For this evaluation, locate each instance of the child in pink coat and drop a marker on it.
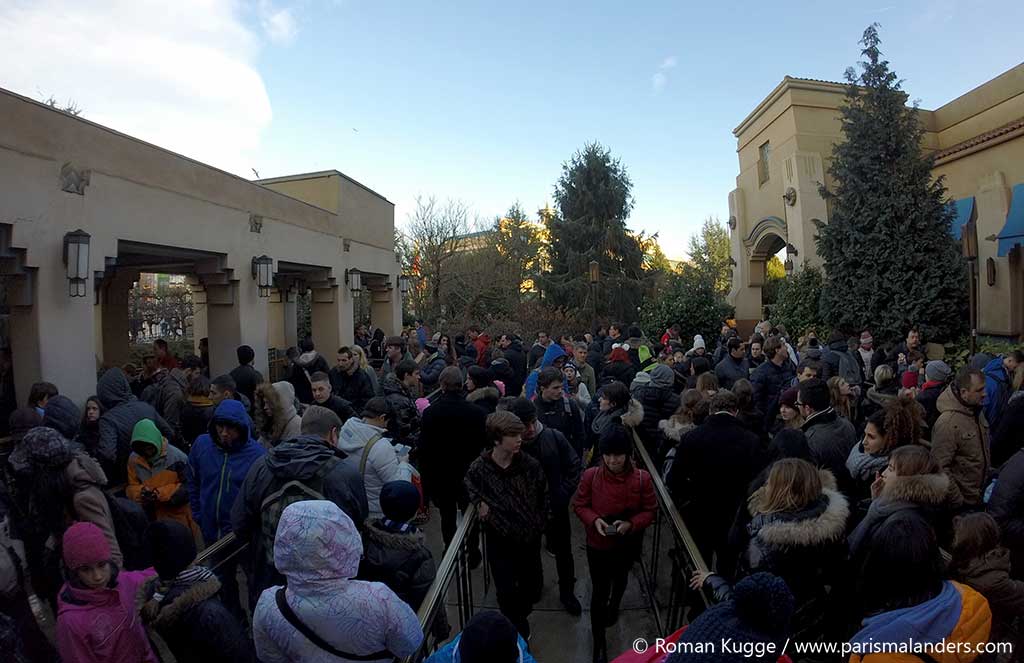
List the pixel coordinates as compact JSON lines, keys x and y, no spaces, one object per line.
{"x":97,"y":619}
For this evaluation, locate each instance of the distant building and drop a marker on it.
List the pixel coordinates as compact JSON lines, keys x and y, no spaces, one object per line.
{"x":784,"y":148}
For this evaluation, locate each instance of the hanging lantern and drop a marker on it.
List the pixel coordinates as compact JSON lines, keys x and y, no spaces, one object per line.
{"x":76,"y":261}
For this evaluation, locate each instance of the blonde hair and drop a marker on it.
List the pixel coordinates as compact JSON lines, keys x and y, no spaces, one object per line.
{"x":839,"y":402}
{"x":686,"y":413}
{"x":358,"y":351}
{"x":792,"y":484}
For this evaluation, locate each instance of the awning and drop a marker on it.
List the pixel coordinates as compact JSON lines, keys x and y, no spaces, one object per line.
{"x":1012,"y":233}
{"x":963,"y":210}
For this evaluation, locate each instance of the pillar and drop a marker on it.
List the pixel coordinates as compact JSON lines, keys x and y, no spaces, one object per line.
{"x":804,"y":170}
{"x":333,"y":318}
{"x":236,"y":315}
{"x":743,"y":295}
{"x":290,"y":312}
{"x":53,"y":340}
{"x":386,"y":310}
{"x":275,"y":319}
{"x":115,"y":323}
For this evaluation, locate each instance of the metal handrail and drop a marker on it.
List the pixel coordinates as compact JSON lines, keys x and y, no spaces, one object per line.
{"x":455,"y":562}
{"x":229,"y":543}
{"x":692,"y":559}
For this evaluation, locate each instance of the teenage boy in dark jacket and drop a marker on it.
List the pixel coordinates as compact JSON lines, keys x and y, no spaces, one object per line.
{"x":510,"y":491}
{"x":557,"y":410}
{"x":562,"y":467}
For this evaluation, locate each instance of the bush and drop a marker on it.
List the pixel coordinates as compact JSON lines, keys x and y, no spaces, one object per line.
{"x":689,"y":301}
{"x":798,"y":303}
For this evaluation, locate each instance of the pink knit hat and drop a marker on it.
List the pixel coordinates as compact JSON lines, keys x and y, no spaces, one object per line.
{"x":85,"y":543}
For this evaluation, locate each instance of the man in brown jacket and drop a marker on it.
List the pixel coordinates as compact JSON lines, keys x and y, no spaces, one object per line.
{"x":960,"y":439}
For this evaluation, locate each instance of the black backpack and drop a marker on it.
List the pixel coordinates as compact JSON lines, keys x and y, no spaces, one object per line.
{"x":290,"y":492}
{"x":130,"y":524}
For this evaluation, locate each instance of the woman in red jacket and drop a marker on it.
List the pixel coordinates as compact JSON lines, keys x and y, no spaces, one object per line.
{"x":616,"y":502}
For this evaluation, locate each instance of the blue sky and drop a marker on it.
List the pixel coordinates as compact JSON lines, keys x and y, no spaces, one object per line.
{"x":482,"y":101}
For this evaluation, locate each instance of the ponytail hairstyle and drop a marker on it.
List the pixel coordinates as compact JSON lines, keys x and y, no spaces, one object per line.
{"x":899,"y":422}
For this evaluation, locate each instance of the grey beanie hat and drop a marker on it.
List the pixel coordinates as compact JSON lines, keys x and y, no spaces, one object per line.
{"x":937,"y":371}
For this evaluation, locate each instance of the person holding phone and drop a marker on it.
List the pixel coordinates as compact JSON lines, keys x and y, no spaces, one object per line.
{"x":616,"y":503}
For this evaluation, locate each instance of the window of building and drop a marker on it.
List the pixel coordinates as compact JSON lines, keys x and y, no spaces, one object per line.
{"x":763,"y":154}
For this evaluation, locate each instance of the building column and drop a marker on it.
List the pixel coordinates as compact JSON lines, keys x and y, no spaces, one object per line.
{"x":386,"y":310}
{"x":236,"y":315}
{"x":743,"y":296}
{"x":332,"y":318}
{"x":276,"y":319}
{"x":803,"y":173}
{"x":290,"y":312}
{"x":115,"y":323}
{"x":53,"y":339}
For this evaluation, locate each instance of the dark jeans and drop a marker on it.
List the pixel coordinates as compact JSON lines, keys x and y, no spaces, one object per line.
{"x":449,"y":508}
{"x":609,"y":573}
{"x":559,"y":536}
{"x":516,"y":569}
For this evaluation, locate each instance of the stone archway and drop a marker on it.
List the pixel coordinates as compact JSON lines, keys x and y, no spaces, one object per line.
{"x":766,"y":238}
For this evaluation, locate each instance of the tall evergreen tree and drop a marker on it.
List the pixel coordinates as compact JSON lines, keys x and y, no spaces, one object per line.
{"x":593,"y":199}
{"x":889,"y":258}
{"x":711,"y":255}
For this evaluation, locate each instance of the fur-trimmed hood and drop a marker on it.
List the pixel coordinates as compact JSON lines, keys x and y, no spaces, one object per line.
{"x":484,"y":394}
{"x":165,"y":616}
{"x":674,"y":430}
{"x":924,"y":489}
{"x":820,"y":523}
{"x":405,"y":541}
{"x":634,"y":414}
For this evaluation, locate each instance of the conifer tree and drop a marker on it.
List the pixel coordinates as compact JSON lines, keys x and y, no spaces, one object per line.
{"x":889,"y":258}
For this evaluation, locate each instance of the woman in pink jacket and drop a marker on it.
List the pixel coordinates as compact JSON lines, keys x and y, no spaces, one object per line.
{"x":97,"y":619}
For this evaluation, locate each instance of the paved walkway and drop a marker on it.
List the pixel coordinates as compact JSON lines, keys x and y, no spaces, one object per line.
{"x":559,"y":637}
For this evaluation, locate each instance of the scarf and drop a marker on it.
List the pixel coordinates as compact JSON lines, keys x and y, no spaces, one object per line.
{"x":190,"y":576}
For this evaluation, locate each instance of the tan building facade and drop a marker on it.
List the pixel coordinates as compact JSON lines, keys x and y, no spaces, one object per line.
{"x":784,"y":148}
{"x":147,"y":210}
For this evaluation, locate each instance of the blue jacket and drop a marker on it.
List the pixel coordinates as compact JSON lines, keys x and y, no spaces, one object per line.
{"x":218,"y":472}
{"x":997,"y":391}
{"x":450,"y":652}
{"x":553,"y":352}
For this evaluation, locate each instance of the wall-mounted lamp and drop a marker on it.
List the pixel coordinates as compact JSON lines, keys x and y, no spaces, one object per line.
{"x":404,"y":284}
{"x":990,"y":271}
{"x":354,"y":279}
{"x":788,"y":266}
{"x":263,"y":274}
{"x":76,"y":260}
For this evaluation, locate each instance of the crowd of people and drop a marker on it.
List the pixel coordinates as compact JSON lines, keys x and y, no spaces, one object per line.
{"x":871,"y":493}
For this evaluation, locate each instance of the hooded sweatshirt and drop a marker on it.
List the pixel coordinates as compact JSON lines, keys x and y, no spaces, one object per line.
{"x":218,"y":472}
{"x":318,"y":550}
{"x":553,"y":352}
{"x":168,"y":473}
{"x":381,"y":464}
{"x":284,"y":422}
{"x":957,"y":615}
{"x":123,"y":411}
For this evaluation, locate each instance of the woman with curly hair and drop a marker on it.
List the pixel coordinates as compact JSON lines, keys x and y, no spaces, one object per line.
{"x":896,"y":425}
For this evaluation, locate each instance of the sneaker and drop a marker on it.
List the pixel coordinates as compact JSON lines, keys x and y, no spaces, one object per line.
{"x":571,"y":604}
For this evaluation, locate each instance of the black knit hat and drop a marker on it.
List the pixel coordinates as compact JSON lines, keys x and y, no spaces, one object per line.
{"x":759,"y":612}
{"x":481,"y":376}
{"x":489,"y":637}
{"x":172,"y":546}
{"x":399,"y":501}
{"x":615,"y":440}
{"x":525,"y":409}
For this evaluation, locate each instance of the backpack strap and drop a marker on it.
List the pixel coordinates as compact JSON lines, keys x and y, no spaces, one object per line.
{"x":366,"y":452}
{"x":311,"y":635}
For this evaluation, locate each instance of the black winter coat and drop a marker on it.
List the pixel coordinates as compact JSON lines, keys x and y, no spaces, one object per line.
{"x":1008,"y":437}
{"x":340,"y":407}
{"x":659,"y":403}
{"x":400,"y":560}
{"x":304,"y":367}
{"x":404,"y":424}
{"x":564,"y":416}
{"x":714,"y":464}
{"x":116,"y":424}
{"x":928,"y":398}
{"x":195,"y":624}
{"x":356,"y":388}
{"x":195,"y":421}
{"x":247,"y":379}
{"x":831,"y":438}
{"x":451,"y":438}
{"x":769,"y":381}
{"x":561,"y":464}
{"x":517,"y":360}
{"x":1007,"y":507}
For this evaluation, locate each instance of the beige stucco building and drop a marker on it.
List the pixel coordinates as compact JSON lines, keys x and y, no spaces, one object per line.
{"x":784,"y":149}
{"x":149,"y":210}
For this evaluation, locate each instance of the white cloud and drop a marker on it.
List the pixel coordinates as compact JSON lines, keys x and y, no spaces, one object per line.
{"x":660,"y":78}
{"x":279,"y":24}
{"x":178,"y":74}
